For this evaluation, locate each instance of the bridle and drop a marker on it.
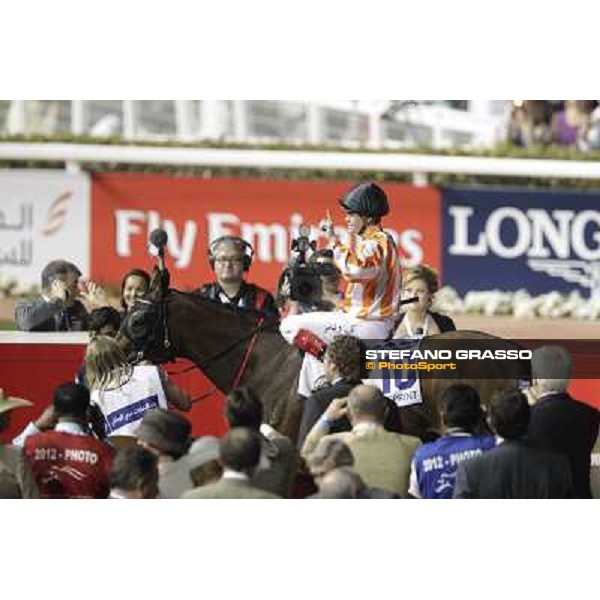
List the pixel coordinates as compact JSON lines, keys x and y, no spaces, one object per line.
{"x":159,"y":341}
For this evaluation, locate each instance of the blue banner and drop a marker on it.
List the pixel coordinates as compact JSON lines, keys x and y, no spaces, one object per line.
{"x":514,"y":238}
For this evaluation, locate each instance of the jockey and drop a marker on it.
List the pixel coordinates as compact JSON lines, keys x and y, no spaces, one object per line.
{"x":371,"y":266}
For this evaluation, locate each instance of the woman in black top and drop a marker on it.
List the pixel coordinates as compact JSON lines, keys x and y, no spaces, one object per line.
{"x":419,"y":320}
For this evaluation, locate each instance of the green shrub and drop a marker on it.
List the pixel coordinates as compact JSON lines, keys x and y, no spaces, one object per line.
{"x":439,"y":179}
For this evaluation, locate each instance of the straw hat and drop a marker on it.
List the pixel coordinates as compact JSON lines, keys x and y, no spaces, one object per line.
{"x":10,"y":402}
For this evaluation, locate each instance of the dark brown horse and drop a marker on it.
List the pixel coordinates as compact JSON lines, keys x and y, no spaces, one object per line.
{"x":232,"y":347}
{"x":486,"y":378}
{"x":236,"y":347}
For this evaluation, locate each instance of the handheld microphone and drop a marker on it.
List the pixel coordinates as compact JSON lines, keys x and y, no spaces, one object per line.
{"x":419,"y":331}
{"x":304,"y":230}
{"x":159,"y":239}
{"x":409,"y":300}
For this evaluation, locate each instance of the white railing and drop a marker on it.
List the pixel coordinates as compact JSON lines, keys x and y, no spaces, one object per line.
{"x":366,"y":123}
{"x":78,"y":338}
{"x":418,"y":164}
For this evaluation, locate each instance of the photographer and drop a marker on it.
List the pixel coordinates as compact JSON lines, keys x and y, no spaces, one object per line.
{"x":66,"y":460}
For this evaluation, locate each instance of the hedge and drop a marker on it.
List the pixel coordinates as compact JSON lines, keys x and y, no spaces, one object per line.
{"x":439,"y":179}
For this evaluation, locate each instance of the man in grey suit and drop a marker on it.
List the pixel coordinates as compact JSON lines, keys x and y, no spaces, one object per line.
{"x":239,"y":453}
{"x":382,"y":458}
{"x":59,"y":308}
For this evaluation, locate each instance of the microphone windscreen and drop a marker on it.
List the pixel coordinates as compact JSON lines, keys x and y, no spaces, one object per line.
{"x":159,"y":238}
{"x":419,"y":331}
{"x":304,"y":230}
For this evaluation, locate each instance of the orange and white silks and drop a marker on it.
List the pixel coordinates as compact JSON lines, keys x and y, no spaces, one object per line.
{"x":372,"y":270}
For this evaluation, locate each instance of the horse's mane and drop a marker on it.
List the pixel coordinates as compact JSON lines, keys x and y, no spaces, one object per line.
{"x":249,"y":315}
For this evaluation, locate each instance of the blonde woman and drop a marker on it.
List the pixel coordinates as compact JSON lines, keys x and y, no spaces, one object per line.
{"x":122,"y":392}
{"x":419,"y":320}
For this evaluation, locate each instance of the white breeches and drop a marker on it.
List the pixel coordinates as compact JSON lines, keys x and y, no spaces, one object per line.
{"x":327,"y":325}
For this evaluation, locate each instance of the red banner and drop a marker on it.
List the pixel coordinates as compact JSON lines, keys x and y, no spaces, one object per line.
{"x":194,"y":211}
{"x":53,"y":363}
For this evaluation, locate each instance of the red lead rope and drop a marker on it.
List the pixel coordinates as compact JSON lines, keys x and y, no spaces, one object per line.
{"x":246,"y":358}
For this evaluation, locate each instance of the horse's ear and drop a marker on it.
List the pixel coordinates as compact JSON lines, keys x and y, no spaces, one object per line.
{"x":159,"y":284}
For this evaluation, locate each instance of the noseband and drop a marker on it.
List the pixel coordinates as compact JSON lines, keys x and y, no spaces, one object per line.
{"x":158,"y":340}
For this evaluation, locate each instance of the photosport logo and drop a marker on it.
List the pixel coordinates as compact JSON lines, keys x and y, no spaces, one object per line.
{"x":397,"y":367}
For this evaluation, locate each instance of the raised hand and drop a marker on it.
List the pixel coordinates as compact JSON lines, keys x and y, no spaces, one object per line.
{"x":47,"y":420}
{"x":94,"y":295}
{"x":337,"y":409}
{"x":326,"y":226}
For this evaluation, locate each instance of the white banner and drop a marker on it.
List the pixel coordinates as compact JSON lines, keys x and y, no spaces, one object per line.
{"x":44,"y":216}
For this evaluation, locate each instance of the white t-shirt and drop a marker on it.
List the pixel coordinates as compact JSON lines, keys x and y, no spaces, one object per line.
{"x":123,"y":407}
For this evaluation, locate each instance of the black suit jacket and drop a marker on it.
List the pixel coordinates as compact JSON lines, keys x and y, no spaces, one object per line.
{"x":277,"y":470}
{"x":565,"y":425}
{"x":515,"y":469}
{"x":316,"y":404}
{"x":246,"y":297}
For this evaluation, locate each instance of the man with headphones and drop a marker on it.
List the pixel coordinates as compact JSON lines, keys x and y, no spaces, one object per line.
{"x":230,"y":257}
{"x":370,"y":264}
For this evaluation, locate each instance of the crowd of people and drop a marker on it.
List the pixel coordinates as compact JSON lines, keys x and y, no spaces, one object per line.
{"x":119,"y":430}
{"x":537,"y":447}
{"x":568,"y":123}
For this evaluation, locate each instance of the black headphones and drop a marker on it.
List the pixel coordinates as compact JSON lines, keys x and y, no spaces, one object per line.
{"x":248,"y":250}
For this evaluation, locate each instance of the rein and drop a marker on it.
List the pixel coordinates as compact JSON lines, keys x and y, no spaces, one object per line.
{"x":207,"y":361}
{"x":251,"y":336}
{"x":242,"y":368}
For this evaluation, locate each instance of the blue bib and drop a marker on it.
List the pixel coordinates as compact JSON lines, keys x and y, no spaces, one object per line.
{"x":436,"y":462}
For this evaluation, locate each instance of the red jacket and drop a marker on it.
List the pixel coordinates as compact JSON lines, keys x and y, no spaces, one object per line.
{"x":67,"y":465}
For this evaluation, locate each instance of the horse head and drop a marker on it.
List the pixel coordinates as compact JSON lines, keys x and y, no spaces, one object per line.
{"x":144,"y":333}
